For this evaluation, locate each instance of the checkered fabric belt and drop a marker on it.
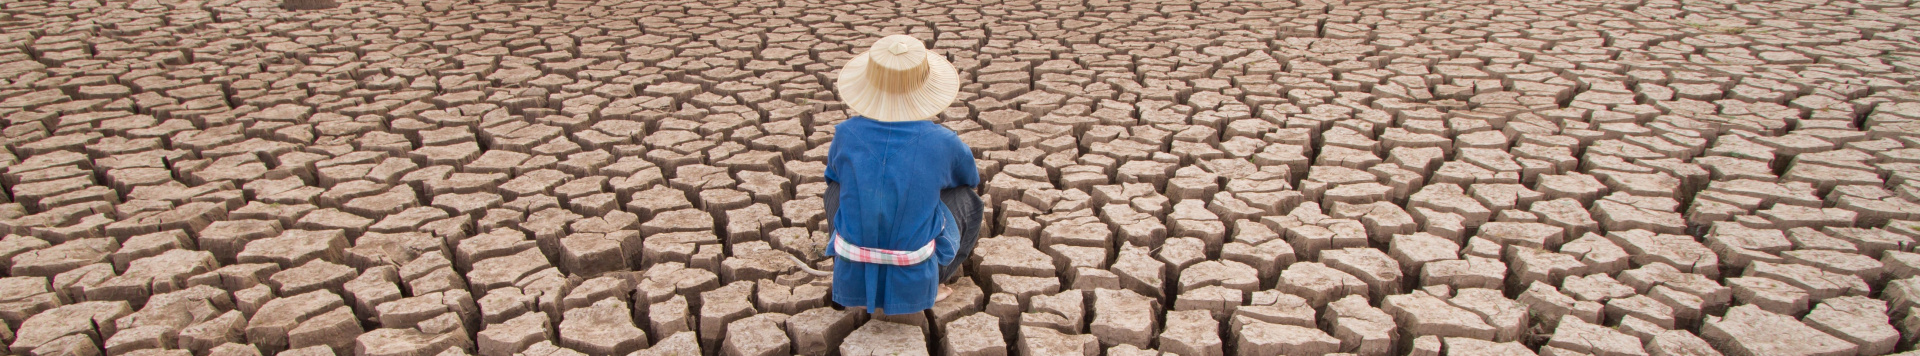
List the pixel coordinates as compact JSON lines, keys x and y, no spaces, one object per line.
{"x":881,"y":256}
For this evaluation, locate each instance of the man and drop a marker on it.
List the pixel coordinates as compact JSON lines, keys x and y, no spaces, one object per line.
{"x":895,"y":239}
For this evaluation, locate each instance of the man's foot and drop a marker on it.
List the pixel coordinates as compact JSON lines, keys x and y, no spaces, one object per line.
{"x":945,"y":292}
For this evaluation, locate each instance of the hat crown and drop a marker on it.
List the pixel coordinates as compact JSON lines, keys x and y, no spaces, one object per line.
{"x":898,"y":53}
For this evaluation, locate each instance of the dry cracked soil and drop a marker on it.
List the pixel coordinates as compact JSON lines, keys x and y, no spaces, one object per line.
{"x":563,"y":177}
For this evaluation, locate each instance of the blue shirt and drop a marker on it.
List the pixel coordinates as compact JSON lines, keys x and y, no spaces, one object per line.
{"x":890,"y":176}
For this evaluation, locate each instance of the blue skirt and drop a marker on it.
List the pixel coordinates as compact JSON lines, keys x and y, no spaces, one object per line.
{"x":968,"y":212}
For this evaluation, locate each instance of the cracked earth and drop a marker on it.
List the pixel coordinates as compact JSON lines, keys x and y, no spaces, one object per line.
{"x":1193,"y":178}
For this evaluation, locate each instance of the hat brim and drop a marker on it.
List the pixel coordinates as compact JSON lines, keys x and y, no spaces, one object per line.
{"x":941,"y":87}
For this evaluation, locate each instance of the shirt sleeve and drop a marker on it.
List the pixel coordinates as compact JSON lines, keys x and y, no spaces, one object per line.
{"x":946,"y":244}
{"x":833,"y":154}
{"x":966,"y":173}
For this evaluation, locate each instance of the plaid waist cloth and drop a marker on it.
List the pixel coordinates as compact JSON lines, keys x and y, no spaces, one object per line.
{"x":881,"y":256}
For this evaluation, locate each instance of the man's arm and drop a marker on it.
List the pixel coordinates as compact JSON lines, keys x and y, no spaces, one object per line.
{"x":966,"y":173}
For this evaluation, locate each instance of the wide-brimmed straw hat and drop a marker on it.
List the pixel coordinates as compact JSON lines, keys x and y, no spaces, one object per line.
{"x":898,"y":79}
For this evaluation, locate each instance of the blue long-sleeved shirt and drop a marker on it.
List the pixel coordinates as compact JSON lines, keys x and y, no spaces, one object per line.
{"x":890,"y":176}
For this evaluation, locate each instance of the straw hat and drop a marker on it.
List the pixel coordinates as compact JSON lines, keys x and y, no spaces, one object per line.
{"x":898,"y":80}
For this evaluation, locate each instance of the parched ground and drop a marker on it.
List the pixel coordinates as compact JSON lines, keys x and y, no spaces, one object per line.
{"x":1195,"y":178}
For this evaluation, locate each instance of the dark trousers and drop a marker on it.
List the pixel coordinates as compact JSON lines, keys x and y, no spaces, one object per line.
{"x":967,"y":210}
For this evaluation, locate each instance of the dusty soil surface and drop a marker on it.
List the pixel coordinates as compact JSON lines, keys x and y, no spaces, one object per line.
{"x":335,"y":177}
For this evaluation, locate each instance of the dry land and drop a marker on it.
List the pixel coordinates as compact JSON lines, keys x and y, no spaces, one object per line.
{"x":562,"y":177}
